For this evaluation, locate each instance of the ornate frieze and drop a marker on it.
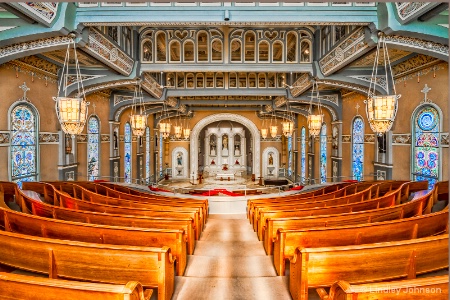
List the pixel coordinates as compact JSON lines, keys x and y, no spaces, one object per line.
{"x":151,"y":86}
{"x":105,"y":137}
{"x":280,"y":101}
{"x":368,"y":59}
{"x":121,"y":98}
{"x":271,"y":139}
{"x":417,"y":44}
{"x":48,"y":138}
{"x":40,"y":44}
{"x":301,"y":85}
{"x":45,"y":11}
{"x":445,"y":139}
{"x":402,"y":139}
{"x":345,"y":52}
{"x":380,"y":80}
{"x":224,"y":23}
{"x":330,"y":98}
{"x":331,"y":110}
{"x":346,"y":138}
{"x":4,"y":138}
{"x":108,"y":53}
{"x":412,"y":75}
{"x":119,"y":112}
{"x":84,"y":60}
{"x":406,"y":10}
{"x":72,"y":79}
{"x":82,"y":138}
{"x":369,"y":138}
{"x":413,"y":64}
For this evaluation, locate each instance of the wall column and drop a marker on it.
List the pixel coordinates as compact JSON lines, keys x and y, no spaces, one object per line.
{"x":114,"y":157}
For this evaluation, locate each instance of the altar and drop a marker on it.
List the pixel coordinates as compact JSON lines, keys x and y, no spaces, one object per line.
{"x":224,"y":176}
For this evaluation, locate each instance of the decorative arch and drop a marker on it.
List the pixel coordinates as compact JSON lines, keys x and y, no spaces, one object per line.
{"x":93,"y":148}
{"x":265,"y":159}
{"x":426,"y":124}
{"x":180,"y":154}
{"x":195,"y":133}
{"x":24,"y":142}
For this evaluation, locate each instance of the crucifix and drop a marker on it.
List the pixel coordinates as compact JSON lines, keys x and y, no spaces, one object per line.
{"x":25,"y":89}
{"x":425,"y":90}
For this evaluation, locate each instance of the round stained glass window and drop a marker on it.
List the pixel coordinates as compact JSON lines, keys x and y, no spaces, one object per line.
{"x":427,"y":119}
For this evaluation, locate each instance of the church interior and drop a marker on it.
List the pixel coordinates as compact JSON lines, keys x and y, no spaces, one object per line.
{"x":224,"y":150}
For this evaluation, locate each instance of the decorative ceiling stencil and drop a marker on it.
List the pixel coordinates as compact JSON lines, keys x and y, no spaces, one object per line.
{"x":380,"y":80}
{"x":45,"y":11}
{"x":368,"y":60}
{"x":72,"y":79}
{"x":414,"y":64}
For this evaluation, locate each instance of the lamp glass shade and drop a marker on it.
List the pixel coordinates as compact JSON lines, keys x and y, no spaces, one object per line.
{"x":314,"y":124}
{"x":381,"y":112}
{"x":178,"y":131}
{"x":273,"y":131}
{"x":138,"y":124}
{"x":264,"y":132}
{"x":186,"y":133}
{"x":72,"y":114}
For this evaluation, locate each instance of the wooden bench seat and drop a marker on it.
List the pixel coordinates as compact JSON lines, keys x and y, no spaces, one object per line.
{"x":381,"y":202}
{"x":416,"y":207}
{"x":116,"y":264}
{"x":286,"y":241}
{"x":321,"y":267}
{"x":41,"y":209}
{"x":78,"y":192}
{"x":14,"y":286}
{"x":428,"y":288}
{"x":102,"y":234}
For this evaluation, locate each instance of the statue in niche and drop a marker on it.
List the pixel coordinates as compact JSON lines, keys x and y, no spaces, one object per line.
{"x":213,"y":150}
{"x":180,"y":159}
{"x":212,"y":145}
{"x":237,"y":152}
{"x":116,"y":146}
{"x":225,"y":145}
{"x":270,"y":159}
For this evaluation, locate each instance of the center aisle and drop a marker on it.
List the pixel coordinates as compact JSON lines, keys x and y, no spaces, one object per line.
{"x":230,"y":263}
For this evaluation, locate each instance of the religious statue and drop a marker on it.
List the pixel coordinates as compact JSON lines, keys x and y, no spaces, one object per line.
{"x":115,"y":140}
{"x":237,"y":151}
{"x":179,"y":159}
{"x":225,"y":142}
{"x":270,"y":159}
{"x":213,"y":150}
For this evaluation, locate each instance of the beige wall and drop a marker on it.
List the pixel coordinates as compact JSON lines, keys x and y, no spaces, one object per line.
{"x":40,"y":96}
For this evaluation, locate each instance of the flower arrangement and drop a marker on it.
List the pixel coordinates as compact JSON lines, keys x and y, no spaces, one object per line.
{"x":225,"y":167}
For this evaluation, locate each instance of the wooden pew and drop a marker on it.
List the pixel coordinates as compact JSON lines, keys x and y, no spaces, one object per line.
{"x":416,"y":207}
{"x":69,"y":202}
{"x":13,"y":286}
{"x":428,"y":288}
{"x":321,"y":267}
{"x":152,"y":267}
{"x":384,"y":201}
{"x":286,"y":241}
{"x":102,"y":234}
{"x":31,"y":206}
{"x":83,"y":194}
{"x":441,"y":192}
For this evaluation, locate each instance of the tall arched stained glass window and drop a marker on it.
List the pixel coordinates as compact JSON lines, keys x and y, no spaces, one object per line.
{"x":358,"y":148}
{"x":323,"y":154}
{"x":93,"y":149}
{"x":161,"y":140}
{"x":127,"y":153}
{"x":290,"y":156}
{"x":303,"y":155}
{"x":147,"y":155}
{"x":24,"y":144}
{"x":426,"y":151}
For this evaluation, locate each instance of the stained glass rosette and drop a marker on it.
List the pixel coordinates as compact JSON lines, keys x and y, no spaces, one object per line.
{"x":72,"y":114}
{"x":381,"y":112}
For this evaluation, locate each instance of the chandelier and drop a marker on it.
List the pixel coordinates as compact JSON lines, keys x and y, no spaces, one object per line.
{"x":314,"y":121}
{"x":287,"y":125}
{"x":138,"y":120}
{"x":178,"y":128}
{"x":381,"y":110}
{"x":71,"y":111}
{"x":164,"y":125}
{"x":264,"y":130}
{"x":186,"y":129}
{"x":273,"y":128}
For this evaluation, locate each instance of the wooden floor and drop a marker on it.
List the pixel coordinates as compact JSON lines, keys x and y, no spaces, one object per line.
{"x":230,"y":263}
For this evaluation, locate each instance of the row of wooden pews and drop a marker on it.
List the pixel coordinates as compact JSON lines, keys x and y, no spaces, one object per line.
{"x":352,"y":251}
{"x":134,"y":246}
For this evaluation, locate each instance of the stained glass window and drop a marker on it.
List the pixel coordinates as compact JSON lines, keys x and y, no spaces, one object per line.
{"x":303,"y":155}
{"x":147,"y":155}
{"x":323,"y":154}
{"x":23,"y":144}
{"x":426,"y":156}
{"x":127,"y":153}
{"x":290,"y":156}
{"x":93,"y":148}
{"x":161,"y":140}
{"x":358,"y":148}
